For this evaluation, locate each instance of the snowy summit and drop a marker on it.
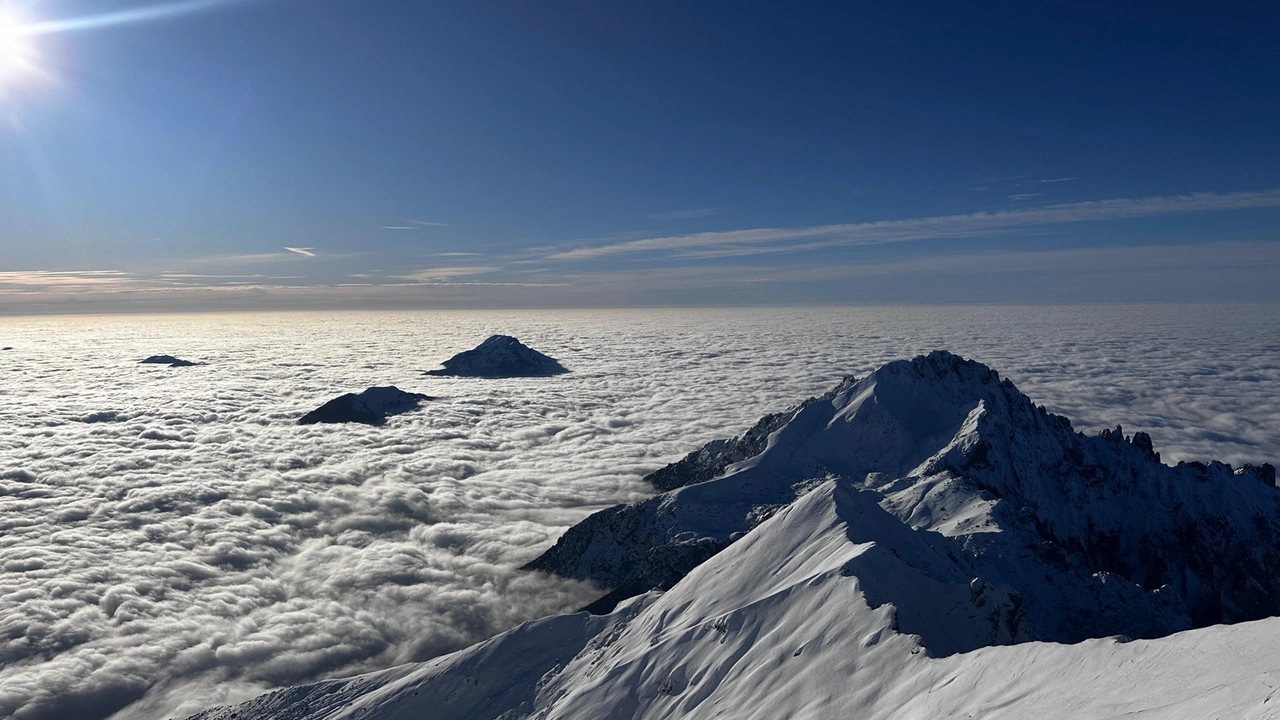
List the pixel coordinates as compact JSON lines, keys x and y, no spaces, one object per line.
{"x":500,"y":356}
{"x":923,"y":542}
{"x":370,"y":407}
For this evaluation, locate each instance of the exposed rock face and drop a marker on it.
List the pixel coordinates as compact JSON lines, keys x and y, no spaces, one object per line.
{"x":500,"y":356}
{"x":1046,"y":532}
{"x":370,"y":407}
{"x":169,"y":360}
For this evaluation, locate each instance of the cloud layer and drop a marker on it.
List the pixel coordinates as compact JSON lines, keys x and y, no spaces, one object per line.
{"x":172,"y":540}
{"x":774,"y":240}
{"x":1205,"y":272}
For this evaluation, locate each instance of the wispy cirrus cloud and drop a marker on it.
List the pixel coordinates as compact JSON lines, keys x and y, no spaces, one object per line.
{"x":244,"y":259}
{"x":1058,"y":180}
{"x":411,"y":224}
{"x":306,"y":252}
{"x":775,"y":240}
{"x":438,"y":274}
{"x":49,"y":278}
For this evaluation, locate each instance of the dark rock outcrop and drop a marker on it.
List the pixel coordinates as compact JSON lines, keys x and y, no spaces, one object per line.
{"x":169,"y":360}
{"x":500,"y":356}
{"x":370,"y":407}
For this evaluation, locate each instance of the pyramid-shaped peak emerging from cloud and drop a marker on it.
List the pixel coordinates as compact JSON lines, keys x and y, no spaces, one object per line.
{"x":500,"y":356}
{"x":370,"y":407}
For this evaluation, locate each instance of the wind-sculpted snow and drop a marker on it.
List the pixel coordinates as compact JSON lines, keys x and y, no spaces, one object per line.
{"x":171,"y":540}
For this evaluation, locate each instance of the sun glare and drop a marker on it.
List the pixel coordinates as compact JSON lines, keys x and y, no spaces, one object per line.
{"x":18,"y":56}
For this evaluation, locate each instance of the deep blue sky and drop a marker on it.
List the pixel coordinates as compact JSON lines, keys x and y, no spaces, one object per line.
{"x":186,"y":152}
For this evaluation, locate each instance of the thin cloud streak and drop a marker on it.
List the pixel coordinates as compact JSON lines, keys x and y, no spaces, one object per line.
{"x":1144,"y":258}
{"x":445,"y":273}
{"x":307,"y":252}
{"x":770,"y":240}
{"x":45,"y":278}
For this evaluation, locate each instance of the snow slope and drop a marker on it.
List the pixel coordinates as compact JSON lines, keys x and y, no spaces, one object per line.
{"x":779,"y":625}
{"x":901,"y":547}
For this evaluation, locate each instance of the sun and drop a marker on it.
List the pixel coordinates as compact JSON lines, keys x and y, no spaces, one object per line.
{"x":19,"y":60}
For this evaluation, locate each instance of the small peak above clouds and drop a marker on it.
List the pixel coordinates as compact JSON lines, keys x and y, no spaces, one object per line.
{"x":500,"y":356}
{"x":169,"y":360}
{"x":370,"y":407}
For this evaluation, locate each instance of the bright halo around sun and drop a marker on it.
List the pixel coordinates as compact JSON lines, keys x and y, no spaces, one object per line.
{"x":19,"y":59}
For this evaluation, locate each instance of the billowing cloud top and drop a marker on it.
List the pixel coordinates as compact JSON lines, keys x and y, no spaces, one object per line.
{"x":174,"y":540}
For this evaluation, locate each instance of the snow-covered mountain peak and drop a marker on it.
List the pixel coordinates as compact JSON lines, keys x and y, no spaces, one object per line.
{"x":1084,"y":536}
{"x":889,"y":422}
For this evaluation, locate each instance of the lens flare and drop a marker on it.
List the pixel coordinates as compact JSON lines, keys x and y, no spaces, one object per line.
{"x":19,"y":52}
{"x":19,"y":60}
{"x":146,"y":13}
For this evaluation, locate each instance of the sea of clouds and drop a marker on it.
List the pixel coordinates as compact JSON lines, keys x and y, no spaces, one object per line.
{"x":170,"y":539}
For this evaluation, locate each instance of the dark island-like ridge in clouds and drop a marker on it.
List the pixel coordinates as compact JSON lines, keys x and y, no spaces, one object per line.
{"x":500,"y":356}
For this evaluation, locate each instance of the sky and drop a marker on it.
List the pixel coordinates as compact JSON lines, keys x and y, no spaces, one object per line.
{"x":246,"y":154}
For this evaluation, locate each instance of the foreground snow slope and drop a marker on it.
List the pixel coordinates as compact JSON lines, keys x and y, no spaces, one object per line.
{"x":898,"y":548}
{"x":778,"y":625}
